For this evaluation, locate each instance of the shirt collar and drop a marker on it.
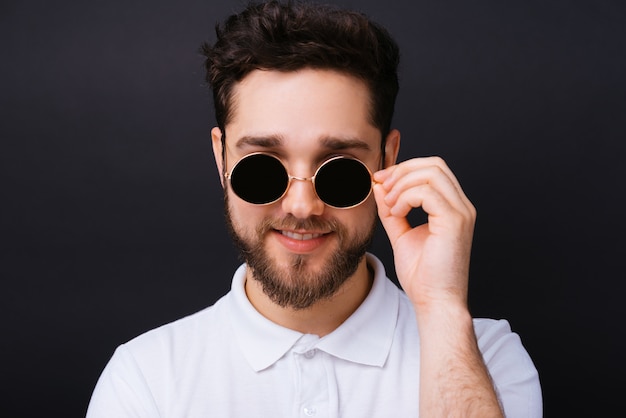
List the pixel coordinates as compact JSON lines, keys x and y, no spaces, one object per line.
{"x":365,"y":337}
{"x":262,"y":341}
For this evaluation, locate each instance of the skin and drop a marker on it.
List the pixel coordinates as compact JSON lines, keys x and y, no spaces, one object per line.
{"x":293,"y":115}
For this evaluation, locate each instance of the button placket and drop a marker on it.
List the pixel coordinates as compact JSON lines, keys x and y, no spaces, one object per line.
{"x":313,"y":387}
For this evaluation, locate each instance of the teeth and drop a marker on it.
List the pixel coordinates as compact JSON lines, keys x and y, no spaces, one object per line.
{"x":301,"y":237}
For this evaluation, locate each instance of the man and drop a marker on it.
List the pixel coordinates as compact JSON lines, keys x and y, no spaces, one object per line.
{"x":304,"y":98}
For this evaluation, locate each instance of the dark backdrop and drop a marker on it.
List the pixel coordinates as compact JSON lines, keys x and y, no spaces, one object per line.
{"x":111,"y":212}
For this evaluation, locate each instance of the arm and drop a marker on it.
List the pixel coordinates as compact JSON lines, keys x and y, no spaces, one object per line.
{"x":432,"y":264}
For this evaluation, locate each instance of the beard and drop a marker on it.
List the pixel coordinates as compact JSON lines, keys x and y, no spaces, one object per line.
{"x":296,"y":285}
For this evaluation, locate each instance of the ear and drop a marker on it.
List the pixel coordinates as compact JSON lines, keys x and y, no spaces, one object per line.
{"x":392,"y":147}
{"x":216,"y":139}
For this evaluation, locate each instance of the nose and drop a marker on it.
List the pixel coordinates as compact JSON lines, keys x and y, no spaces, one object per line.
{"x":301,"y":201}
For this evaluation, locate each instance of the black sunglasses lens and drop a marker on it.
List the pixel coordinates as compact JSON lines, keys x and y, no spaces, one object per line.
{"x":343,"y":182}
{"x":259,"y":179}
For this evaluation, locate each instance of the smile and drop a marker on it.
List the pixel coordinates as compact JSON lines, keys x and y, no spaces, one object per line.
{"x":300,"y":237}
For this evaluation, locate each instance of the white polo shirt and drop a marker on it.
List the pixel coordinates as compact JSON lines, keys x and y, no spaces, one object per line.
{"x":230,"y":361}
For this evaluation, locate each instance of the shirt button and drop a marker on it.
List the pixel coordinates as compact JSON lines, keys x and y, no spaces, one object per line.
{"x":310,"y":354}
{"x":309,"y":411}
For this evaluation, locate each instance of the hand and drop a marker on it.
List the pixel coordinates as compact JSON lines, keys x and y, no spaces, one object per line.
{"x":431,"y":260}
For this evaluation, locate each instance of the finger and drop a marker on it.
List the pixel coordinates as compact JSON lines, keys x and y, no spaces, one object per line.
{"x":424,"y":196}
{"x":432,"y":176}
{"x":442,"y":216}
{"x":391,"y":175}
{"x":381,"y":175}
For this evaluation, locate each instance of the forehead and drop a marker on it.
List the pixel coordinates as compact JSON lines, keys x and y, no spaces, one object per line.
{"x":304,"y":107}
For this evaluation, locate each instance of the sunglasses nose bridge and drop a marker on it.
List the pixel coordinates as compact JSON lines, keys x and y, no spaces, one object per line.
{"x":301,"y":200}
{"x":311,"y":179}
{"x":296,"y":178}
{"x":306,"y":179}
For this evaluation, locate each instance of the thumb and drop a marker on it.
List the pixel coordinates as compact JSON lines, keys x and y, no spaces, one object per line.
{"x":394,"y":226}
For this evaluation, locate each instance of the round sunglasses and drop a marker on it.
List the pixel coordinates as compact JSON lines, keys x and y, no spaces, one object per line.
{"x":340,"y":182}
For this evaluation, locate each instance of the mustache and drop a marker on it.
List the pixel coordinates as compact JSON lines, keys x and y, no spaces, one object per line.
{"x":313,"y":223}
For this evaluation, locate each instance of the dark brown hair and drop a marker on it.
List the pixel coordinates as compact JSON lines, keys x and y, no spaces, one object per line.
{"x":290,"y":36}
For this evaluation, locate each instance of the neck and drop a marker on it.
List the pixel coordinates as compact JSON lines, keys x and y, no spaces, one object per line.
{"x":324,"y":316}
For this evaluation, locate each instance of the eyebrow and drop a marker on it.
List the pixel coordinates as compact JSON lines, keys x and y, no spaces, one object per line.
{"x":338,"y":144}
{"x":260,"y":141}
{"x":328,"y":142}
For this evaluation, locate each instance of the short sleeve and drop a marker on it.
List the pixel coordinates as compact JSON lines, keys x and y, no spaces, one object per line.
{"x":514,"y":375}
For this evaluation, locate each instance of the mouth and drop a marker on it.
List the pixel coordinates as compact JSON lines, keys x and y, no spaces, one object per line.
{"x":302,"y":242}
{"x":301,"y":236}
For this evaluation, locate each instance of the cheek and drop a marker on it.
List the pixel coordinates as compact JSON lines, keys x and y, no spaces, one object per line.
{"x":359,"y":218}
{"x":368,"y":208}
{"x":245,"y":217}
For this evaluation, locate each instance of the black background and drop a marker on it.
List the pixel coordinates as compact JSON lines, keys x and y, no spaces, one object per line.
{"x":111,"y":211}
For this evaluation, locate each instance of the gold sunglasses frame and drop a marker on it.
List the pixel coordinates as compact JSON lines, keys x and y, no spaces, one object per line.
{"x":228,"y":175}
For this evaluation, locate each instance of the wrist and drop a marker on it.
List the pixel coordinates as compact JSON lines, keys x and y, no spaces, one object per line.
{"x":451,"y":313}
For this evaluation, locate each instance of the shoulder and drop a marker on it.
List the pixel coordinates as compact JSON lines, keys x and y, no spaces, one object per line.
{"x":171,"y":347}
{"x":178,"y":348}
{"x":201,"y":325}
{"x":161,"y":368}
